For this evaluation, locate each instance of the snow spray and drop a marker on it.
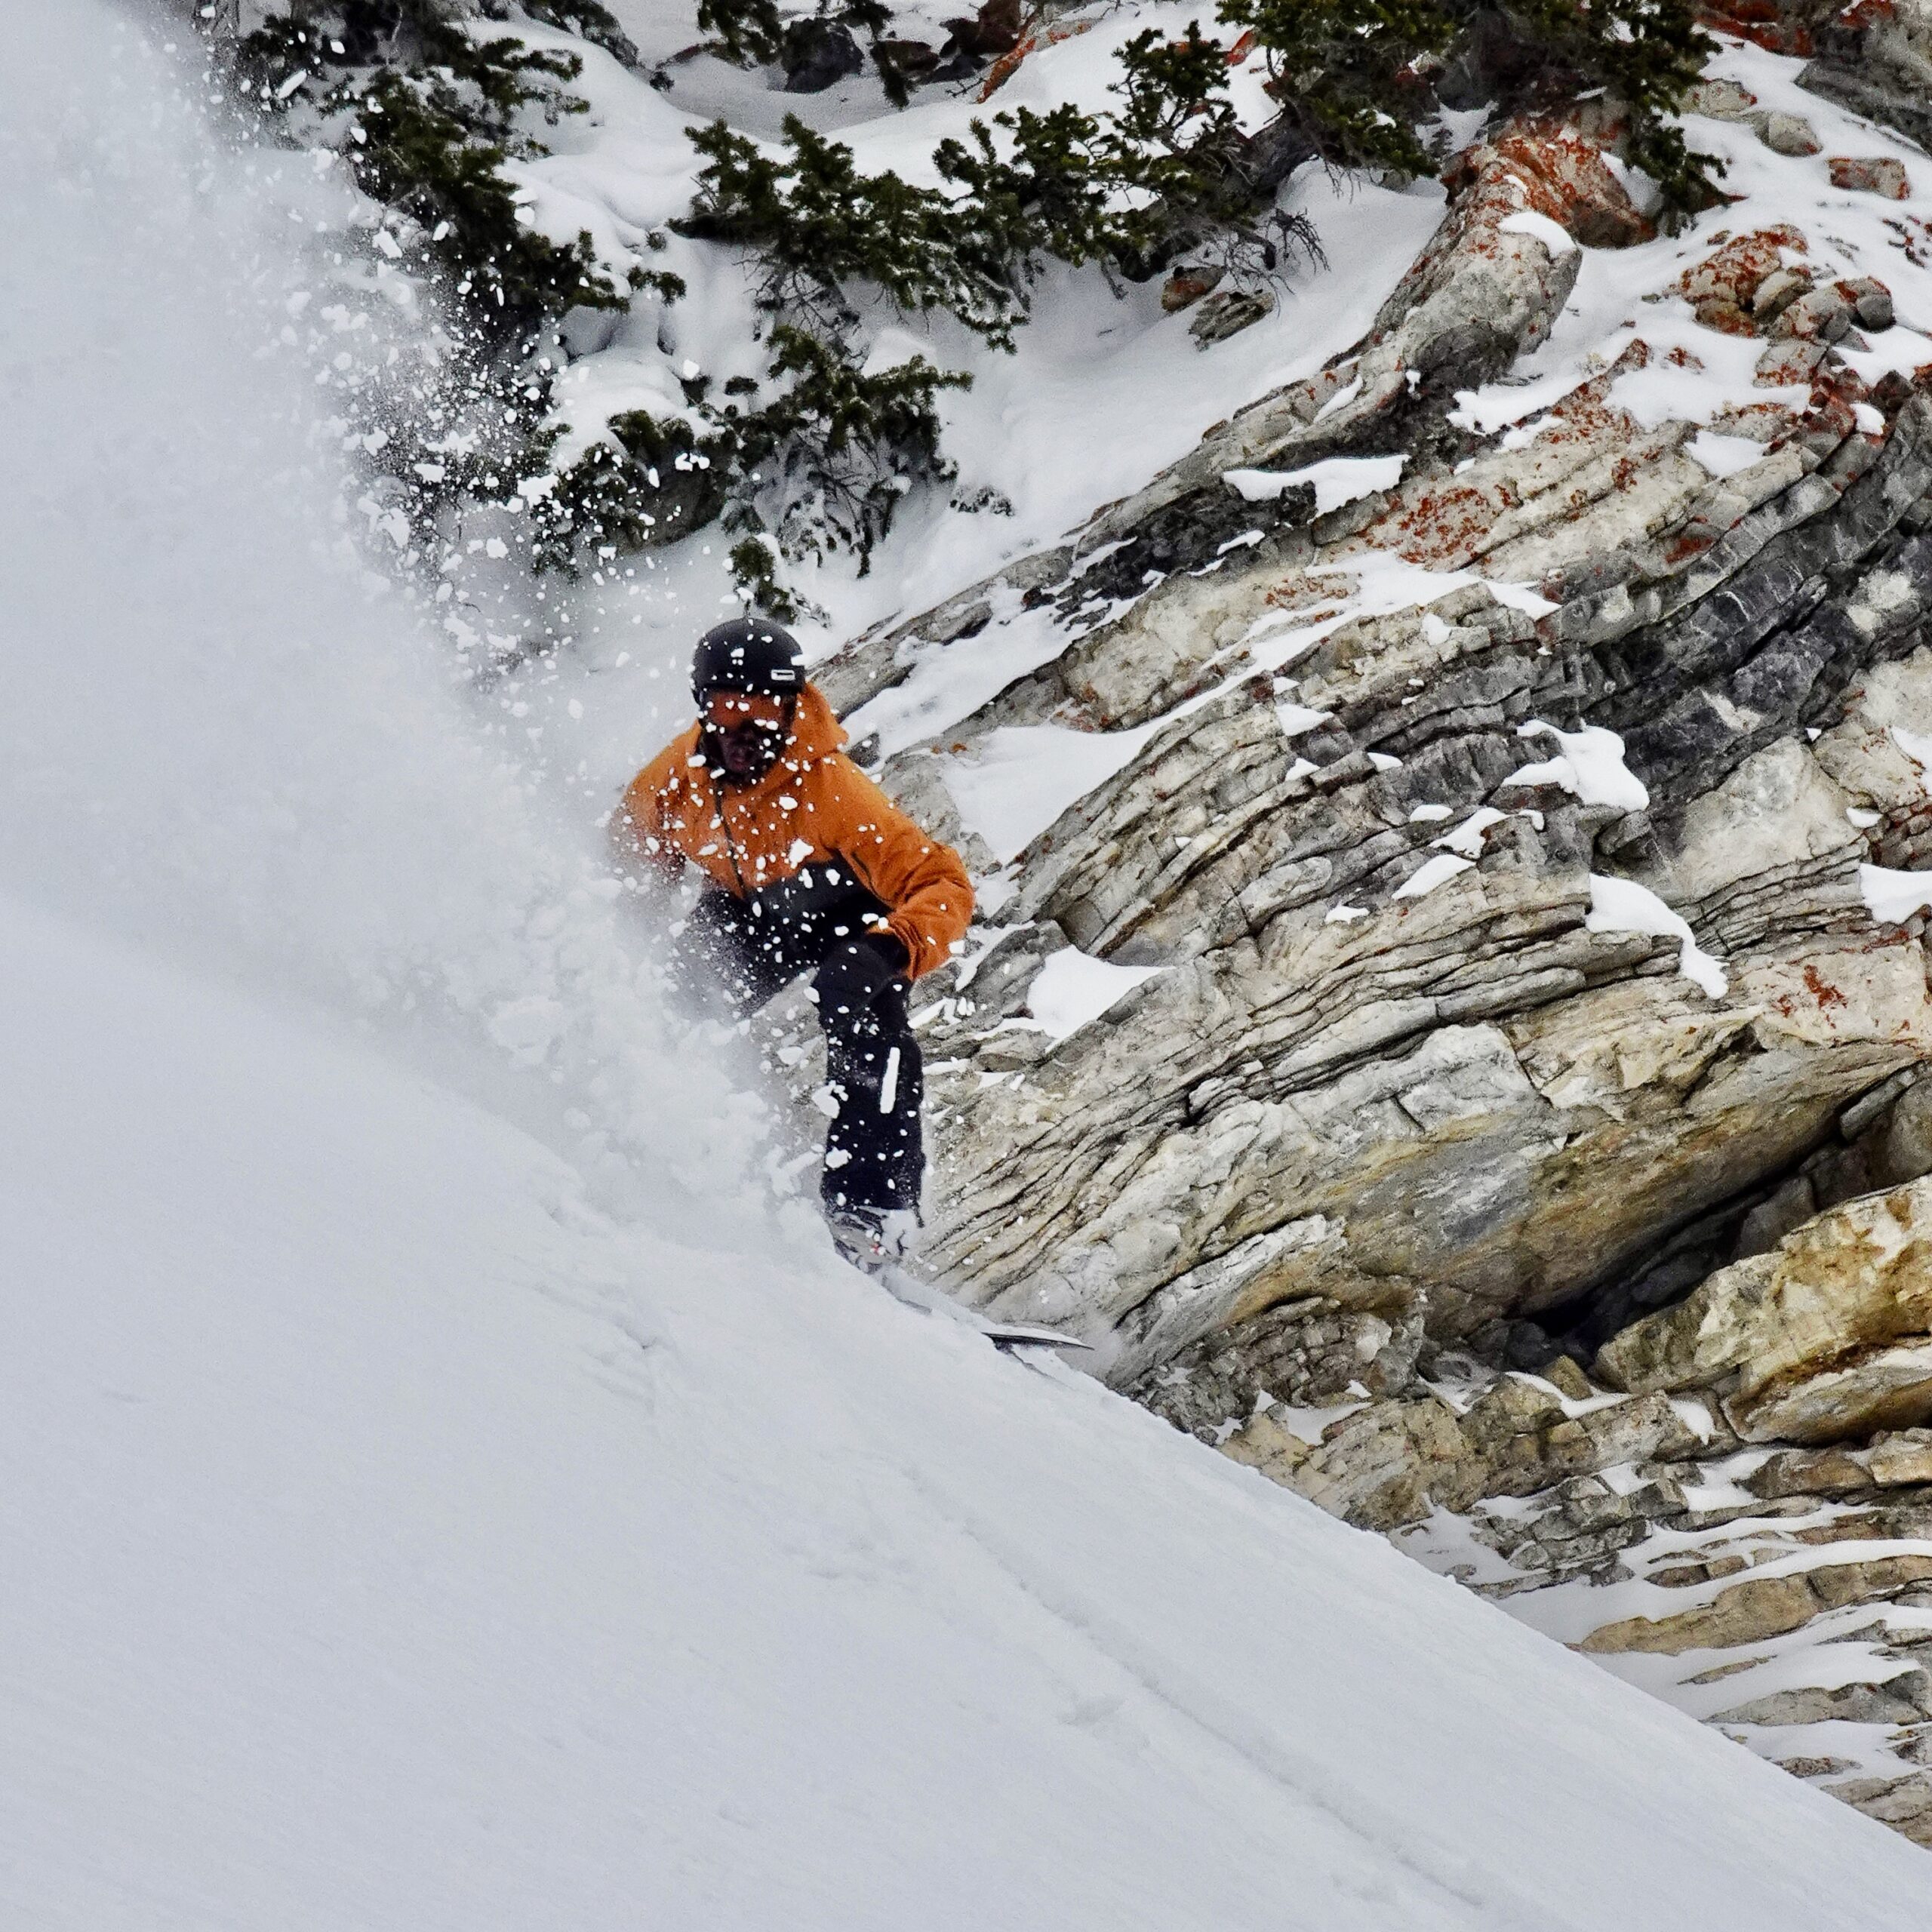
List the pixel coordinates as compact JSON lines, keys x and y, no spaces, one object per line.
{"x":224,"y":734}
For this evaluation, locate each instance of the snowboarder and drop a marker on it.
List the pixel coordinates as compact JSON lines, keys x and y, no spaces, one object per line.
{"x":810,"y":868}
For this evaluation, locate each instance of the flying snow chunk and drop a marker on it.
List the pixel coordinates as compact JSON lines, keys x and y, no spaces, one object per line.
{"x":527,"y":1028}
{"x":1337,"y":480}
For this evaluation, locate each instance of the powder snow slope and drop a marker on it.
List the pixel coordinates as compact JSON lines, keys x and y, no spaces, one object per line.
{"x":395,"y":1545}
{"x":432,"y":1498}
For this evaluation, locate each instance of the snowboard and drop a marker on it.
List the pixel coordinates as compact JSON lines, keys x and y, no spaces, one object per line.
{"x":1009,"y":1337}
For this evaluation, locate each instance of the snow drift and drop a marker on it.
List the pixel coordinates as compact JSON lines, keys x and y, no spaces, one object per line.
{"x":439,"y":1493}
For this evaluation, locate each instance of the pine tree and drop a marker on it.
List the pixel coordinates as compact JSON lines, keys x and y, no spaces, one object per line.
{"x":1179,"y":139}
{"x":749,"y":32}
{"x":837,"y":449}
{"x":820,"y":451}
{"x":425,"y":113}
{"x":814,"y":222}
{"x":1648,"y":54}
{"x":589,"y":19}
{"x":1357,"y":75}
{"x":1345,"y":70}
{"x":426,"y":131}
{"x":827,"y":457}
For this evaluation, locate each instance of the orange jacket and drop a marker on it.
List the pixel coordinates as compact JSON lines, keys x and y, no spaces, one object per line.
{"x":814,"y":804}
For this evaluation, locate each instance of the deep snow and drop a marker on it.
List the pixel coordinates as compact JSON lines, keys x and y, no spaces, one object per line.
{"x":439,"y":1492}
{"x":397,"y":1545}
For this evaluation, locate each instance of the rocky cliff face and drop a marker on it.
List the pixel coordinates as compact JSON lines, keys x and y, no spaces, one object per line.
{"x":1495,"y":1109}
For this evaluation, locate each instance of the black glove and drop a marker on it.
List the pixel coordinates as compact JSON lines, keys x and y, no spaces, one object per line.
{"x":853,"y":974}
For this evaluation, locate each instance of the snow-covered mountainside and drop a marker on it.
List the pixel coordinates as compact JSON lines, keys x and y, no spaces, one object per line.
{"x":399,"y":1538}
{"x":1438,"y":746}
{"x":1449,"y":843}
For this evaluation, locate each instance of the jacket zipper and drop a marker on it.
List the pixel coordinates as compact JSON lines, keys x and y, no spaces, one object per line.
{"x":730,"y":844}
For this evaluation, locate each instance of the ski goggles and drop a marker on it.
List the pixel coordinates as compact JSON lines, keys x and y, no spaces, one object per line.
{"x":726,"y":710}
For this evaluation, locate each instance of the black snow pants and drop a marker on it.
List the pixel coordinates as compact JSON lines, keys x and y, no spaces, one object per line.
{"x":737,"y":954}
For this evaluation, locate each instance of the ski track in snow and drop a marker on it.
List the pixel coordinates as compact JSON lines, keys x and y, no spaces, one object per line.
{"x":449,"y":1495}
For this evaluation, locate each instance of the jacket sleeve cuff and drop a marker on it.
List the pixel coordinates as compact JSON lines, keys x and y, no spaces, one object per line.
{"x":893,"y":951}
{"x":901,"y":932}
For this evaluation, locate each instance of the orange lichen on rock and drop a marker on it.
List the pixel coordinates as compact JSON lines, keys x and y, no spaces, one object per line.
{"x":1836,"y":392}
{"x":1871,"y":174}
{"x":1008,"y":65}
{"x":1563,"y":175}
{"x":1862,"y":14}
{"x":1723,"y":283}
{"x":1766,"y":423}
{"x":1763,"y":22}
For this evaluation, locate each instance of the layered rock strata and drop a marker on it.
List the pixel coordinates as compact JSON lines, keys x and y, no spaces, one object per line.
{"x":1396,"y":1038}
{"x":1509,"y":1131}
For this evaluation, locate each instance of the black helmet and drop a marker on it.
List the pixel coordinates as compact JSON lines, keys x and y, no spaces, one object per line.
{"x":748,"y":654}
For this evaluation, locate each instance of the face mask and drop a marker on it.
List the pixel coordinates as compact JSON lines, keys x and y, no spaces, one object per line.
{"x":743,"y":733}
